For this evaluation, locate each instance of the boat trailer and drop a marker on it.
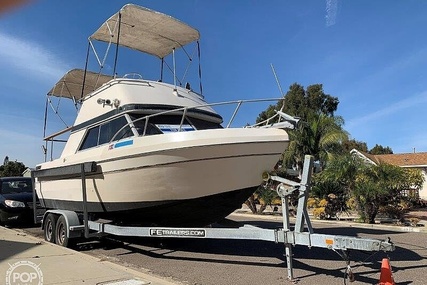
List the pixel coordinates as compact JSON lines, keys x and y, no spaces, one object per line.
{"x":63,"y":226}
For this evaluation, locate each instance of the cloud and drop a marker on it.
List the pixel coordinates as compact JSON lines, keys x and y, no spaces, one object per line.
{"x":391,"y":109}
{"x":331,"y":12}
{"x":29,"y":56}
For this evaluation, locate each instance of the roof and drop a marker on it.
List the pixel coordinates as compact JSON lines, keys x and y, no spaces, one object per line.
{"x":70,"y":85}
{"x":404,"y":159}
{"x":399,"y":159}
{"x":146,"y":30}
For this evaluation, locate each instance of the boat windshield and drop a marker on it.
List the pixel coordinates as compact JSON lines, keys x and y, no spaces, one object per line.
{"x":169,"y":124}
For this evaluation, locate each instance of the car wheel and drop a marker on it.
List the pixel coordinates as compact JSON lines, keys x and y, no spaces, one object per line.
{"x":61,"y":236}
{"x":49,"y":227}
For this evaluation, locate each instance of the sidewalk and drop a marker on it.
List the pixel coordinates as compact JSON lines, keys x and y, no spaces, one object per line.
{"x":24,"y":258}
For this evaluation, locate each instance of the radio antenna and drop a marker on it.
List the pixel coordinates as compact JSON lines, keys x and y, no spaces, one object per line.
{"x":277,"y":80}
{"x":280,"y":89}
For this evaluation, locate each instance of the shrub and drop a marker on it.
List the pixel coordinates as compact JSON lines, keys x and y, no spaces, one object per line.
{"x":319,"y":213}
{"x":312,"y":203}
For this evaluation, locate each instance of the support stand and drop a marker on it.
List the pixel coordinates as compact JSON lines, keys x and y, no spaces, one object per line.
{"x":309,"y":238}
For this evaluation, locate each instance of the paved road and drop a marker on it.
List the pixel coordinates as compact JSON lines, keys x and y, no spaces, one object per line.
{"x":216,"y":262}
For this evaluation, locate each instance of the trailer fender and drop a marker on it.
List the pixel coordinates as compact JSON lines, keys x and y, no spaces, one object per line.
{"x":71,"y":218}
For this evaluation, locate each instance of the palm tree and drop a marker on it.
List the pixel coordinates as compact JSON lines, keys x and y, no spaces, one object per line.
{"x":371,"y":186}
{"x":320,"y":137}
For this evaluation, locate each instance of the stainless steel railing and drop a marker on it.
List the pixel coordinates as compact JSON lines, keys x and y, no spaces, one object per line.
{"x":184,"y":111}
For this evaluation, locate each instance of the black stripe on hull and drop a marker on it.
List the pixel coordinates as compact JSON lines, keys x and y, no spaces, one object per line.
{"x":190,"y":213}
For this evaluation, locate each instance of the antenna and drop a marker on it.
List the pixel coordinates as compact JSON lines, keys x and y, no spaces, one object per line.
{"x":277,"y":80}
{"x":280,"y":89}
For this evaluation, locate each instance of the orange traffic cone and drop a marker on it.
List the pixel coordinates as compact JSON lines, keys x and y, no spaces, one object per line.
{"x":385,"y":277}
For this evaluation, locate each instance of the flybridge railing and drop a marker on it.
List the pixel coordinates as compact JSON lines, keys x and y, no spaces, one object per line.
{"x":279,"y":117}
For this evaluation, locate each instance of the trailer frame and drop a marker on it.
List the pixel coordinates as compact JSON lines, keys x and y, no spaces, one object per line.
{"x":67,"y":225}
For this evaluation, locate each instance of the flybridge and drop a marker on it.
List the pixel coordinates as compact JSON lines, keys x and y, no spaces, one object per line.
{"x":145,"y":30}
{"x":150,"y":32}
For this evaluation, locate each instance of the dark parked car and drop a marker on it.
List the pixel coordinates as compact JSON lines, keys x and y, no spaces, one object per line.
{"x":16,"y":200}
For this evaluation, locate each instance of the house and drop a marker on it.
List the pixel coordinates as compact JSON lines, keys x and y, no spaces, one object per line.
{"x":27,"y":172}
{"x":416,"y":160}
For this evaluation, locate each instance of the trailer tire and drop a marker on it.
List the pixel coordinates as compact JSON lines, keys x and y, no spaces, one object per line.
{"x":61,"y":236}
{"x":50,"y":227}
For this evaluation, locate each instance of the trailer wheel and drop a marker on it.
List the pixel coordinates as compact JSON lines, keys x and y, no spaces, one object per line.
{"x":61,"y":237}
{"x":49,"y":227}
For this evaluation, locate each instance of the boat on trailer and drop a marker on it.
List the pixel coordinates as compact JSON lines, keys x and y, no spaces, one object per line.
{"x":162,"y":154}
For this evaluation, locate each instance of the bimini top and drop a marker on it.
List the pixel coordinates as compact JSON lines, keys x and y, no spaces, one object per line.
{"x":70,"y":85}
{"x":146,"y":30}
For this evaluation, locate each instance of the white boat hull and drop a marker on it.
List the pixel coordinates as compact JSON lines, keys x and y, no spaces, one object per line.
{"x":211,"y":165}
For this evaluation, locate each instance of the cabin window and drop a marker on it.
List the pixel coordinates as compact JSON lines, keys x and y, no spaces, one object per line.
{"x":204,"y":125}
{"x":105,"y":133}
{"x":91,"y":138}
{"x":108,"y":130}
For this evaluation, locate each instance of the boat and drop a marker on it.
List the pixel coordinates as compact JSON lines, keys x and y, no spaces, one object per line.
{"x":162,"y":154}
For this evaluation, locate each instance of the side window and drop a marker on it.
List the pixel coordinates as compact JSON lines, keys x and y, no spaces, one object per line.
{"x":91,"y":138}
{"x":104,"y":133}
{"x":108,"y":130}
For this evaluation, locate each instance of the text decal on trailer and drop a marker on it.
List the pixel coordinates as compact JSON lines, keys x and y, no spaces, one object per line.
{"x":177,"y":232}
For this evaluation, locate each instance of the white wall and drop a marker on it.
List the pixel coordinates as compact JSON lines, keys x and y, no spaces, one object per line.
{"x":423,"y":190}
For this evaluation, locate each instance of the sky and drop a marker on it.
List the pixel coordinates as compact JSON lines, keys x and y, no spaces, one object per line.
{"x":372,"y":55}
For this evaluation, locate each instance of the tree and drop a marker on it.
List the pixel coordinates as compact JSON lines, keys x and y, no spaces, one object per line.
{"x":379,"y":149}
{"x":319,"y":132}
{"x":371,"y":186}
{"x":344,"y":170}
{"x":330,"y":197}
{"x":319,"y":101}
{"x":348,"y":145}
{"x":12,"y":168}
{"x":302,"y":103}
{"x":319,"y":136}
{"x":265,"y":196}
{"x":382,"y":185}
